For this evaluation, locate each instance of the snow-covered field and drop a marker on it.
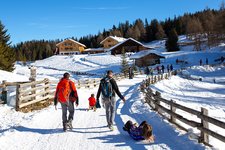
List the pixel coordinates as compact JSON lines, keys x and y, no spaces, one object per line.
{"x":43,"y":129}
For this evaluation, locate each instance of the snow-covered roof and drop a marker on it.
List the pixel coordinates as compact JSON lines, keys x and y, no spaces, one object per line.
{"x":118,"y":39}
{"x":126,"y":41}
{"x":72,"y":41}
{"x":145,"y":53}
{"x":94,"y":49}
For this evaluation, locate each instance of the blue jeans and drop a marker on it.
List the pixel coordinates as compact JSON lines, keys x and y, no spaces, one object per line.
{"x":110,"y":109}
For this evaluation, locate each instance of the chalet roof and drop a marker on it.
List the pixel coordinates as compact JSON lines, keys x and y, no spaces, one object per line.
{"x":118,"y":39}
{"x":72,"y":41}
{"x":94,"y":49}
{"x":144,"y":53}
{"x":126,"y":41}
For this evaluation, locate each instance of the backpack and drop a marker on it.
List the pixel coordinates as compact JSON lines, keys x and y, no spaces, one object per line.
{"x":106,"y":86}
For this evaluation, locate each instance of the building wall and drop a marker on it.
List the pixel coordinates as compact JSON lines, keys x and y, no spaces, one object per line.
{"x":128,"y":46}
{"x":69,"y":47}
{"x":109,"y":43}
{"x":147,"y":61}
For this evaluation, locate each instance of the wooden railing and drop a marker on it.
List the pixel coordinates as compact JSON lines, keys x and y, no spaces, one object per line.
{"x":33,"y":92}
{"x":152,"y":79}
{"x":170,"y":107}
{"x":40,"y":91}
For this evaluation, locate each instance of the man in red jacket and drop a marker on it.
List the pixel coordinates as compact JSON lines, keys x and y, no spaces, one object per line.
{"x":66,"y":94}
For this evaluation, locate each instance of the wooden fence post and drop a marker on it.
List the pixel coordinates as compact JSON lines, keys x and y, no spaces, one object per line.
{"x":32,"y":79}
{"x":94,"y":83}
{"x":158,"y":77}
{"x":152,"y":81}
{"x":4,"y":92}
{"x":157,"y":101}
{"x":204,"y":138}
{"x":155,"y":79}
{"x":47,"y":88}
{"x":166,"y":76}
{"x":149,"y":81}
{"x":78,"y":83}
{"x":17,"y":97}
{"x":173,"y":109}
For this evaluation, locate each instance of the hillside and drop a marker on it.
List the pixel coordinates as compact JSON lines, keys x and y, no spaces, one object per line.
{"x":43,"y":130}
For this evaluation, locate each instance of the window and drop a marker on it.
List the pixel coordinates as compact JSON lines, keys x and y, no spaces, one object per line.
{"x":68,"y":44}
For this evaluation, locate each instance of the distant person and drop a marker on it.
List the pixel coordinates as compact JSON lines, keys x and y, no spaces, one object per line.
{"x":147,"y":71}
{"x":222,"y":58}
{"x":168,"y":68}
{"x":171,"y":67}
{"x":162,"y":68}
{"x":200,"y":62}
{"x":107,"y":88}
{"x":158,"y":69}
{"x":141,"y":132}
{"x":131,"y":73}
{"x":92,"y":102}
{"x":151,"y":71}
{"x":66,"y":94}
{"x":177,"y":61}
{"x":206,"y":61}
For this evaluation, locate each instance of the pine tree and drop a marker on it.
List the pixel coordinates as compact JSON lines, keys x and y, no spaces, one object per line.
{"x":4,"y":37}
{"x":124,"y":63}
{"x":7,"y":54}
{"x":171,"y":43}
{"x":160,"y":34}
{"x":7,"y":57}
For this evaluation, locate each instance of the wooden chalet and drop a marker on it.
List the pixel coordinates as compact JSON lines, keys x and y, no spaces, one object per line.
{"x":129,"y":45}
{"x":69,"y":47}
{"x":111,"y":41}
{"x":146,"y":58}
{"x":93,"y":50}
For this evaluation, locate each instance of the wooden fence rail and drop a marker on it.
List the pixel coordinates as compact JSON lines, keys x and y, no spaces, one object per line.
{"x":159,"y":104}
{"x":29,"y":93}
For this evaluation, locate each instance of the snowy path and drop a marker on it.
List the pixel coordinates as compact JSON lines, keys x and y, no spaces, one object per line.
{"x":42,"y":129}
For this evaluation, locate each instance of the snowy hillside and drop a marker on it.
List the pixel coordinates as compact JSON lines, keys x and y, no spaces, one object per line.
{"x":43,"y":129}
{"x":196,"y":94}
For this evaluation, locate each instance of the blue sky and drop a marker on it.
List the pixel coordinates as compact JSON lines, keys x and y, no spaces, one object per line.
{"x":59,"y":19}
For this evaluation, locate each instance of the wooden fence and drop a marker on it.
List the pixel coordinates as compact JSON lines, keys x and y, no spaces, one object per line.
{"x":33,"y":94}
{"x":156,"y":78}
{"x":30,"y":93}
{"x":170,"y":107}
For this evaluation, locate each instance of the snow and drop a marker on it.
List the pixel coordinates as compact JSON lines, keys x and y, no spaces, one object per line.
{"x":72,"y":41}
{"x":43,"y":129}
{"x":196,"y":94}
{"x":12,"y":77}
{"x":116,"y":38}
{"x":144,"y":53}
{"x":126,"y":41}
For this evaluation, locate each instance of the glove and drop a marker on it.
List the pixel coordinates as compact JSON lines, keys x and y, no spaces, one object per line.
{"x":77,"y":101}
{"x":55,"y":101}
{"x":97,"y":105}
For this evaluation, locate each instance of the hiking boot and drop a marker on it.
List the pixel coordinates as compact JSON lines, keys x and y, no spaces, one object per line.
{"x":125,"y":129}
{"x":111,"y":128}
{"x":69,"y":124}
{"x":64,"y":127}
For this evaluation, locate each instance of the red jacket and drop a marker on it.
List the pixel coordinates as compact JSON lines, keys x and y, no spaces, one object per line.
{"x":92,"y":101}
{"x":64,"y":89}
